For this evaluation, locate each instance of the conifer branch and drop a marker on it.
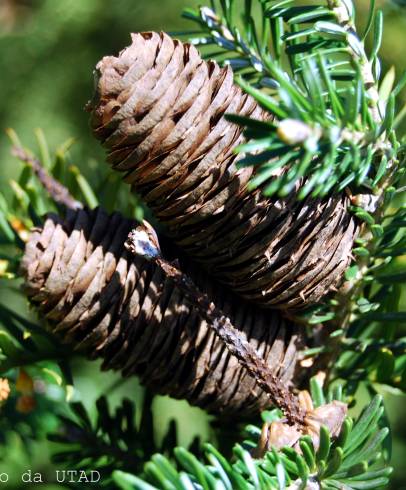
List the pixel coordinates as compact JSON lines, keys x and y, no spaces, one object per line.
{"x":57,"y":191}
{"x":334,"y":135}
{"x":344,"y":18}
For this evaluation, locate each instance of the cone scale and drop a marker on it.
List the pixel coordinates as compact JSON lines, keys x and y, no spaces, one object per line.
{"x":159,"y":112}
{"x":98,"y":298}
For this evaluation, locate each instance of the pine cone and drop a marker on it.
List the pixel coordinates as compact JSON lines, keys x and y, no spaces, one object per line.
{"x":159,"y":112}
{"x":111,"y":305}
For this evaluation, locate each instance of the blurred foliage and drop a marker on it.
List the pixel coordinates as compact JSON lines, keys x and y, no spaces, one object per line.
{"x":47,"y":51}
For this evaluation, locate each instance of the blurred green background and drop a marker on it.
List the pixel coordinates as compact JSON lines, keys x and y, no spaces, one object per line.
{"x":48,"y":49}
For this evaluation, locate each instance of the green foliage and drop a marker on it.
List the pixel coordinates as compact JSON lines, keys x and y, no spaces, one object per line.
{"x":30,"y":203}
{"x":23,"y":342}
{"x":372,"y":347}
{"x":331,"y":128}
{"x":352,"y":461}
{"x":307,"y":67}
{"x":113,"y":441}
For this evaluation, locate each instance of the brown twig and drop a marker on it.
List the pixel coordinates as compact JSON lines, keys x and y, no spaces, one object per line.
{"x":143,"y":241}
{"x":58,"y":192}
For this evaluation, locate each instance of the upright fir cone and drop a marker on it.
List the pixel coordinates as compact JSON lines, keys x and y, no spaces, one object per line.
{"x":108,"y":304}
{"x":159,"y":112}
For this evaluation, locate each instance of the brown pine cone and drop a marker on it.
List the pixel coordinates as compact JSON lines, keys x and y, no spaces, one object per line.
{"x":112,"y":305}
{"x":158,"y":110}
